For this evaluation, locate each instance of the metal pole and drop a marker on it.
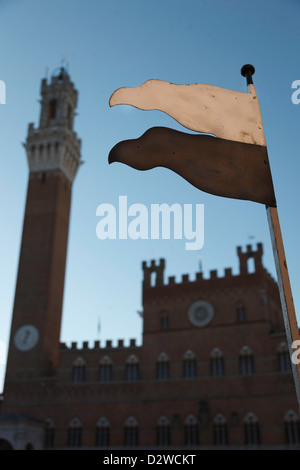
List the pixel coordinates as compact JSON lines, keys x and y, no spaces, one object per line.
{"x":285,"y":291}
{"x":286,"y":297}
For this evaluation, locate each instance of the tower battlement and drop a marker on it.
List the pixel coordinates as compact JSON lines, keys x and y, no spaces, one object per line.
{"x":54,"y":145}
{"x":97,"y":345}
{"x":256,"y":255}
{"x":154,"y":271}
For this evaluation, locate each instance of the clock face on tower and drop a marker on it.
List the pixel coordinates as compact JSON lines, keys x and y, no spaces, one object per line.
{"x":201,"y":313}
{"x":26,"y":337}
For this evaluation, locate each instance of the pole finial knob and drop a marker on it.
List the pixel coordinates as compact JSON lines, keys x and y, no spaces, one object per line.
{"x":247,"y":71}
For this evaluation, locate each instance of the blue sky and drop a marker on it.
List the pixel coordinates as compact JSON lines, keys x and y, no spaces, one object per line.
{"x":109,"y":44}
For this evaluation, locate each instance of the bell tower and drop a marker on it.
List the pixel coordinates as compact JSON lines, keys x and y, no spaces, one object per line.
{"x":53,"y":153}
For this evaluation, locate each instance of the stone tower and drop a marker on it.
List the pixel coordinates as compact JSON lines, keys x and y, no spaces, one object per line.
{"x":53,"y":153}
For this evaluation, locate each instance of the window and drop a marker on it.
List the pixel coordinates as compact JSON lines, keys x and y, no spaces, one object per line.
{"x":78,"y":371}
{"x":105,"y":369}
{"x":69,"y":117}
{"x":292,"y":428}
{"x":252,"y":429}
{"x":217,"y":366}
{"x":251,"y":265}
{"x":40,"y":153}
{"x":189,"y":365}
{"x":153,"y":279}
{"x":220,"y":431}
{"x":48,"y":153}
{"x":246,"y":361}
{"x":74,"y":433}
{"x":5,"y":445}
{"x":102,"y":433}
{"x":49,"y":434}
{"x":241,"y":313}
{"x":284,"y":360}
{"x":52,"y":109}
{"x":131,"y":433}
{"x":163,"y":367}
{"x":164,"y":322}
{"x":191,"y":431}
{"x":163,"y":432}
{"x":132,"y":368}
{"x":32,"y":156}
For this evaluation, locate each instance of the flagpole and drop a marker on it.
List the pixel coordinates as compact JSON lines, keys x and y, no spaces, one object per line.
{"x":285,"y":291}
{"x":286,"y":296}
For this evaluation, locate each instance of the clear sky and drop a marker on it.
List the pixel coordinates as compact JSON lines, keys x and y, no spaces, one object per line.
{"x":109,"y":44}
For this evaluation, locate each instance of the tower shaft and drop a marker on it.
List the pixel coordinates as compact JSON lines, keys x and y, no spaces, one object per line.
{"x":53,"y":153}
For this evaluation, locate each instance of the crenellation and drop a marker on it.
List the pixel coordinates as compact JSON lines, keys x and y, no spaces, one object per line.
{"x":250,"y":253}
{"x":228,"y":272}
{"x":156,"y":269}
{"x":120,"y":344}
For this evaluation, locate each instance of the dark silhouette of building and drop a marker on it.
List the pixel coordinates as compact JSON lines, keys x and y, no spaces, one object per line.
{"x":213,"y":369}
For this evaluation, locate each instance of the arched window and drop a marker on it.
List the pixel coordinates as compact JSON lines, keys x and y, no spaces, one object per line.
{"x":191,"y":431}
{"x":217,"y":365}
{"x":240,"y":312}
{"x":78,"y":370}
{"x":74,"y":433}
{"x":189,"y":365}
{"x":163,"y":366}
{"x":132,"y":368}
{"x":40,"y":153}
{"x":105,"y":369}
{"x":5,"y":445}
{"x":32,"y":155}
{"x":52,"y":109}
{"x":153,"y":279}
{"x":48,"y":153}
{"x":164,"y":322}
{"x":246,"y":361}
{"x":252,"y":430}
{"x":220,"y":431}
{"x":284,"y":360}
{"x":69,"y":117}
{"x":251,"y":265}
{"x":163,"y":432}
{"x":103,"y":433}
{"x":131,"y":432}
{"x":292,"y":428}
{"x":49,"y":434}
